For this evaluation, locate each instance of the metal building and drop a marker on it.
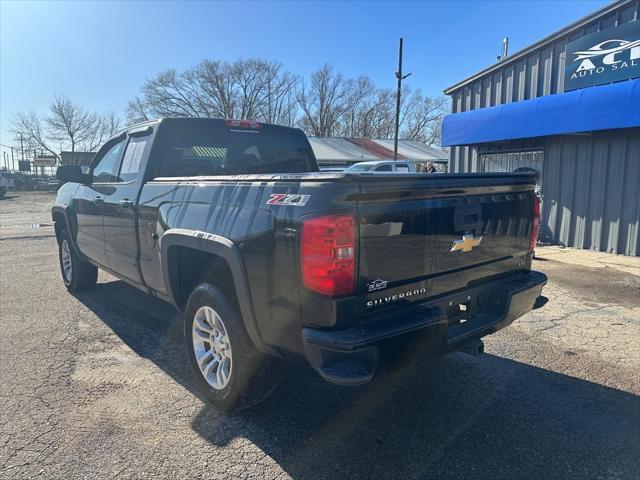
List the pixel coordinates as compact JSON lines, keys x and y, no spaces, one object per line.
{"x":342,"y":152}
{"x":569,"y":107}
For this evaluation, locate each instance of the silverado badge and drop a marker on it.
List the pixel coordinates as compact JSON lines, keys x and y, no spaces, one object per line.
{"x":466,"y":244}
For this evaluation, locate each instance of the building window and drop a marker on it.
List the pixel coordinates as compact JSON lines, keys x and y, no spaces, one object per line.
{"x":510,"y":161}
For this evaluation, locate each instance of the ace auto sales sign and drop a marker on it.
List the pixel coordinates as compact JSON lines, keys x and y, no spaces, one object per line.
{"x":603,"y":57}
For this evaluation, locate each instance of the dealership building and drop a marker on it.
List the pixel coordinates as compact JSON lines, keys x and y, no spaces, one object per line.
{"x":567,"y":106}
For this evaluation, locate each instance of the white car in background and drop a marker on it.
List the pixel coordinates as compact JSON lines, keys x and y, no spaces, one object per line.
{"x":395,"y":166}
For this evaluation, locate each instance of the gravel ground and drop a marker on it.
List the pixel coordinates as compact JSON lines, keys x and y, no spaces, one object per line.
{"x":95,"y":386}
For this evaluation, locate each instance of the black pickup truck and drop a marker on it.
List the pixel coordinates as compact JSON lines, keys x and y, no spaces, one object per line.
{"x":232,"y":222}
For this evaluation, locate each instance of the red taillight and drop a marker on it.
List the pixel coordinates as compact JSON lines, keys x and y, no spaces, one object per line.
{"x":242,"y":123}
{"x":536,"y":222}
{"x":328,"y":254}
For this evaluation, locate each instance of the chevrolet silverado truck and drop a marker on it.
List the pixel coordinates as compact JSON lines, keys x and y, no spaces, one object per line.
{"x":269,"y":259}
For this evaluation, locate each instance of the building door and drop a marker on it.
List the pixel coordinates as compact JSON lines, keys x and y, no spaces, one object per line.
{"x":510,"y":161}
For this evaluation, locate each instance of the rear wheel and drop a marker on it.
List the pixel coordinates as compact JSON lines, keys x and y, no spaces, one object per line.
{"x":77,"y":274}
{"x":227,"y":368}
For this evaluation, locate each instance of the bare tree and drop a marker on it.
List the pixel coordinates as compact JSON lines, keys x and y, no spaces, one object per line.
{"x":215,"y":81}
{"x":31,"y":127}
{"x":167,"y":95}
{"x":104,"y":127}
{"x":70,"y":123}
{"x":423,"y":117}
{"x":326,"y":105}
{"x":360,"y":98}
{"x":254,"y":89}
{"x":323,"y":102}
{"x":278,"y":103}
{"x":137,"y":111}
{"x":111,"y":124}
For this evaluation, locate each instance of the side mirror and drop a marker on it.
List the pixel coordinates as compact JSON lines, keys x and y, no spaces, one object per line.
{"x":72,"y":173}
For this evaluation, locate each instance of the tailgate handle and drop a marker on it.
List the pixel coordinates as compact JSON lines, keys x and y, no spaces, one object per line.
{"x":468,"y":217}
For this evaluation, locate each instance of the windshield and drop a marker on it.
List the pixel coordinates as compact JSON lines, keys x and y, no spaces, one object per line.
{"x":206,"y":150}
{"x":359,"y":167}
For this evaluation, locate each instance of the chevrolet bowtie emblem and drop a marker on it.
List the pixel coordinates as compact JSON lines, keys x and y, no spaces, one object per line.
{"x":466,"y":244}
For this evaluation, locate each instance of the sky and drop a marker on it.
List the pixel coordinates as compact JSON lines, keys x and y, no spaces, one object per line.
{"x":100,"y":53}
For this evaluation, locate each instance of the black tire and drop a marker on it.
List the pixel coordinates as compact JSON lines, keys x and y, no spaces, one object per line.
{"x":82,"y":275}
{"x":252,"y":376}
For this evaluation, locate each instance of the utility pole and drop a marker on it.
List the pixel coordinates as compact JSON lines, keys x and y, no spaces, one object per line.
{"x":400,"y":77}
{"x":22,"y":146}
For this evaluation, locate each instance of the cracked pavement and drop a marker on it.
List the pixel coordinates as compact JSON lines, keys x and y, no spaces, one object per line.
{"x":95,"y":386}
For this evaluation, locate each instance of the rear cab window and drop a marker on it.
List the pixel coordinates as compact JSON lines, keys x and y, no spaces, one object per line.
{"x":203,"y":150}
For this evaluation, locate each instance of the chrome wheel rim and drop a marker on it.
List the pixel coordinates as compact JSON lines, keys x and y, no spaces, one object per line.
{"x":211,"y":347}
{"x":65,"y":254}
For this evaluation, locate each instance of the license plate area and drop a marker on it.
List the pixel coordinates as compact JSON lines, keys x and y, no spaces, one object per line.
{"x":459,"y":312}
{"x":462,"y":309}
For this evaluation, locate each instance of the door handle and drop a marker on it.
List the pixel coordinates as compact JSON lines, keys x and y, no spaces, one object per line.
{"x":125,"y":203}
{"x":468,"y":217}
{"x":98,"y":200}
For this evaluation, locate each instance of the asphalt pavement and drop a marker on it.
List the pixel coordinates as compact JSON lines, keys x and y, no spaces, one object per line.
{"x":95,"y":386}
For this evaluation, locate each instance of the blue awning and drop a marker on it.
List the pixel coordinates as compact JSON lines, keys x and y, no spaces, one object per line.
{"x":596,"y":108}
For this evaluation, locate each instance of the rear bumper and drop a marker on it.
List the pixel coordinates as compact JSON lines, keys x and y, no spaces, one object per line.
{"x":425,"y":331}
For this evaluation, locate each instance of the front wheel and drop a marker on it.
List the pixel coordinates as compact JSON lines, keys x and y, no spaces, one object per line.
{"x":77,"y":274}
{"x":227,"y":368}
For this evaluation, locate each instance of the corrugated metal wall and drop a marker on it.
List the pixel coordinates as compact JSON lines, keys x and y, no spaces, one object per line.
{"x":591,"y":182}
{"x":591,"y":191}
{"x":538,"y":72}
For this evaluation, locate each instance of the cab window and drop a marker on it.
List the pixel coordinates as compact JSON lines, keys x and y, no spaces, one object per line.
{"x":105,"y":171}
{"x":132,"y":158}
{"x":200,"y":151}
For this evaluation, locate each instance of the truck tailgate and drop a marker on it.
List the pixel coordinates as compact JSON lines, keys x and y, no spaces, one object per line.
{"x":422,"y":236}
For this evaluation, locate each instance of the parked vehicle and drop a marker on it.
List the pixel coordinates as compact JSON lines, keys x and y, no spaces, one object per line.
{"x":52,"y":184}
{"x":395,"y":166}
{"x":5,"y":184}
{"x":232,"y":223}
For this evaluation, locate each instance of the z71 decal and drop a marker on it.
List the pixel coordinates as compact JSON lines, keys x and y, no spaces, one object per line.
{"x":288,"y":199}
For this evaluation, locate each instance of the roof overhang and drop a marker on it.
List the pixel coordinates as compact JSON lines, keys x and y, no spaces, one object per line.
{"x":595,"y":108}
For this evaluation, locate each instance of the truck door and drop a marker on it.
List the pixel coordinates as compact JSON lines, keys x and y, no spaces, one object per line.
{"x":119,"y":211}
{"x":89,"y":200}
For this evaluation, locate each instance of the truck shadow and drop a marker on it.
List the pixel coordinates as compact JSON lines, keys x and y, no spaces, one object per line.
{"x":458,"y":417}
